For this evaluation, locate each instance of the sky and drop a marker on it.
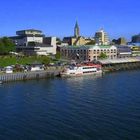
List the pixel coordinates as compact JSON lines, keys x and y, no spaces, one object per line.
{"x":119,"y":18}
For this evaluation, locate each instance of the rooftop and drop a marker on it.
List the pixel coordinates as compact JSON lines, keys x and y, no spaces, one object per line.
{"x":91,"y":46}
{"x":120,"y":60}
{"x":28,"y":31}
{"x":31,"y":30}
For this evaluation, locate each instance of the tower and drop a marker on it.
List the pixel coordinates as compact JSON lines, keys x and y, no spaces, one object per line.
{"x":101,"y":38}
{"x":76,"y":30}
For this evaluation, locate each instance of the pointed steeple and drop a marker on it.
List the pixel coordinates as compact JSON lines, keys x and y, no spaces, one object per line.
{"x":76,"y":25}
{"x":76,"y":30}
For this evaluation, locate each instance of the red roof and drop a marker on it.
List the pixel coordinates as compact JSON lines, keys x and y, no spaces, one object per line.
{"x":89,"y":64}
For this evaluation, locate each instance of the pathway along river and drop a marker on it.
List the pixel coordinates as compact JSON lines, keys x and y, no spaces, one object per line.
{"x":82,"y":108}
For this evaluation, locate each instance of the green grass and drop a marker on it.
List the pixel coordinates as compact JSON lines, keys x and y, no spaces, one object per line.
{"x":12,"y":60}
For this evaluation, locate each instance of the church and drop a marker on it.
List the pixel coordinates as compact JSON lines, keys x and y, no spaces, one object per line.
{"x":75,"y":40}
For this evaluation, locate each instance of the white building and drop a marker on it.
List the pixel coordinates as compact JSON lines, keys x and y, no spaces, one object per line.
{"x":26,"y":36}
{"x":101,"y":38}
{"x":34,"y":42}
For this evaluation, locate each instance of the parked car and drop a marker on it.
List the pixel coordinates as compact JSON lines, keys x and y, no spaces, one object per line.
{"x":37,"y":67}
{"x":9,"y":69}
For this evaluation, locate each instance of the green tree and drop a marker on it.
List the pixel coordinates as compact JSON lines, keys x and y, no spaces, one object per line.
{"x":58,"y":55}
{"x":46,"y":60}
{"x":6,"y":45}
{"x":58,"y":41}
{"x":103,"y":55}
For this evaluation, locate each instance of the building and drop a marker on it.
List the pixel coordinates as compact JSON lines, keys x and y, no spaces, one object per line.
{"x":26,"y":36}
{"x":101,"y":38}
{"x":76,"y":40}
{"x":135,"y":51}
{"x":89,"y":41}
{"x":123,"y":51}
{"x":136,"y":38}
{"x":88,"y":53}
{"x":33,"y":41}
{"x":120,"y":41}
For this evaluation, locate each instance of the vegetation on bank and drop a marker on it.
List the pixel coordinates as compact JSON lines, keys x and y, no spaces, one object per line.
{"x":7,"y":57}
{"x":7,"y":60}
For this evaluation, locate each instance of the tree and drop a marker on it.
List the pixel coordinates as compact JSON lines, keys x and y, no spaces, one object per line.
{"x":58,"y":55}
{"x":46,"y":60}
{"x":6,"y":45}
{"x":58,"y":41}
{"x":103,"y":55}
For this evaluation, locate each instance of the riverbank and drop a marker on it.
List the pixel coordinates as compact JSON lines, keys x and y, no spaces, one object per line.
{"x":8,"y":60}
{"x":55,"y":71}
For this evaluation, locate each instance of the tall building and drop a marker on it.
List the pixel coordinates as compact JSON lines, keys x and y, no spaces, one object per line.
{"x":76,"y":30}
{"x":33,"y":41}
{"x":101,"y":38}
{"x":25,"y":37}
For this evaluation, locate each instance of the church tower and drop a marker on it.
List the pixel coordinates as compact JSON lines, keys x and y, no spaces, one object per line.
{"x":76,"y":30}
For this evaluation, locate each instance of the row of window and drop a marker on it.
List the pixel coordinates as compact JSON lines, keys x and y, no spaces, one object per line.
{"x":84,"y":51}
{"x":89,"y":71}
{"x":88,"y":67}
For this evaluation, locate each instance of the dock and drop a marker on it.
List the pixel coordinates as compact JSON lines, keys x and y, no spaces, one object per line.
{"x":119,"y":64}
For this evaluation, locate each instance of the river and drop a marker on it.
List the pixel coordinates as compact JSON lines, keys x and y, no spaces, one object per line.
{"x":82,"y":108}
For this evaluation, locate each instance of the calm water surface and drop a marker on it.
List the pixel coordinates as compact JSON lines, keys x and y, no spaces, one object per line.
{"x":83,"y":108}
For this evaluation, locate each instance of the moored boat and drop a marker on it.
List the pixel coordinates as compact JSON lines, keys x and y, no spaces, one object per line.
{"x":81,"y":69}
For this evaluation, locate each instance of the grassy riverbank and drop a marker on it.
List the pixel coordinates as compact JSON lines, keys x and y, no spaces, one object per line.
{"x":12,"y":60}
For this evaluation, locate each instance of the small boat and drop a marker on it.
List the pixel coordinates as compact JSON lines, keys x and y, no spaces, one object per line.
{"x":81,"y":69}
{"x":1,"y":82}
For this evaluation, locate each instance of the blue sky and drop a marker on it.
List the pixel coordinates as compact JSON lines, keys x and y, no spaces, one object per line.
{"x":57,"y":17}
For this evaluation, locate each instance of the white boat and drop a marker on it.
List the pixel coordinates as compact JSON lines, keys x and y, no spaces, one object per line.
{"x":81,"y":69}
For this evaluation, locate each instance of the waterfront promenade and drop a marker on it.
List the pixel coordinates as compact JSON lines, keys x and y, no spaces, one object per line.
{"x":108,"y":65}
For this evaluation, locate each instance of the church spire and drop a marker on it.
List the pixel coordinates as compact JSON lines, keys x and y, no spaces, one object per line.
{"x":76,"y":30}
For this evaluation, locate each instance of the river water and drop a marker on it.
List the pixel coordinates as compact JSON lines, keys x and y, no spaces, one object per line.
{"x":82,"y":108}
